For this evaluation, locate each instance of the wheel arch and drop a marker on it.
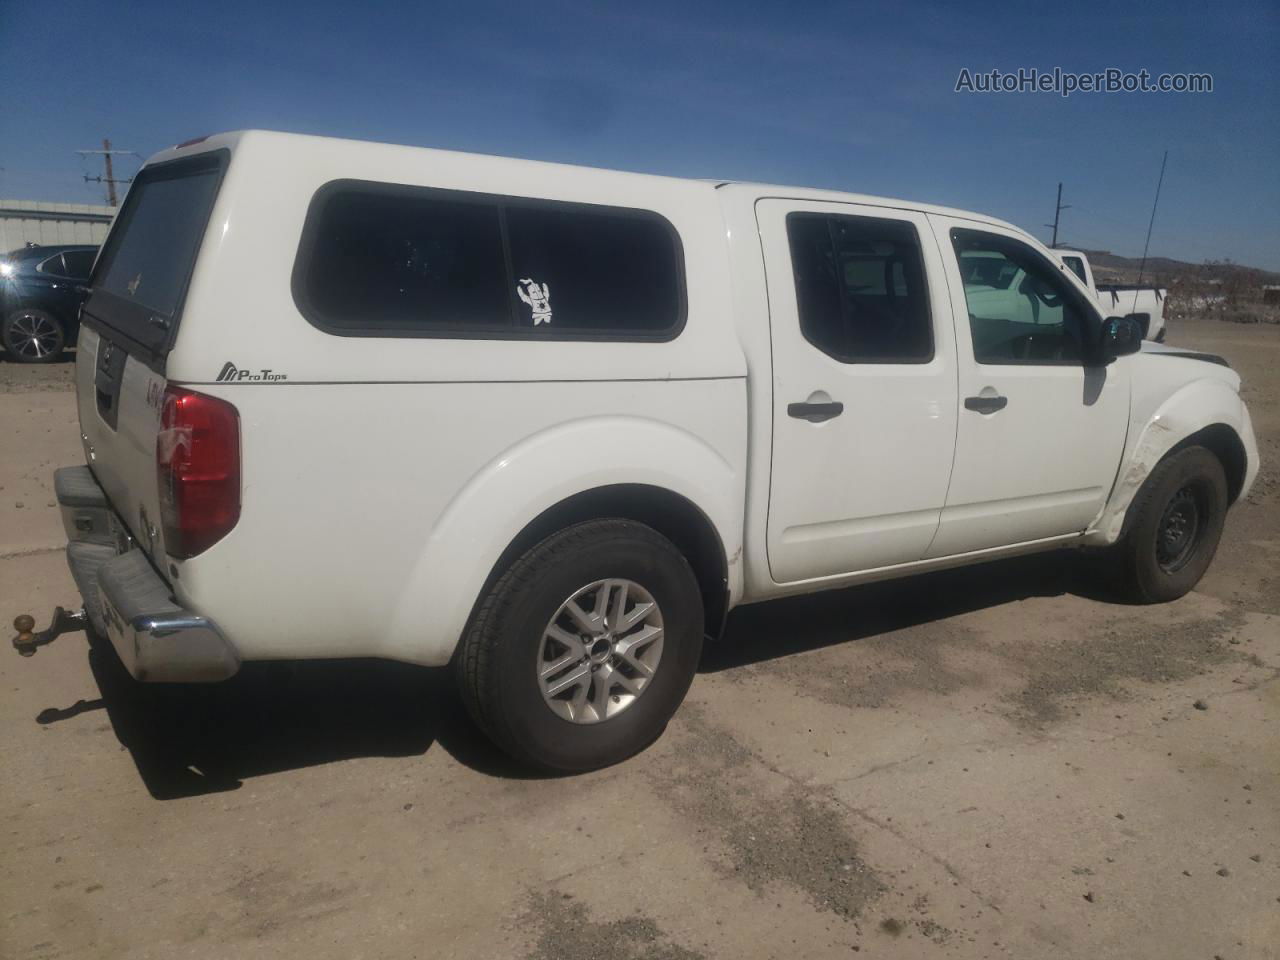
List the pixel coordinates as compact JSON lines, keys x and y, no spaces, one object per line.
{"x":35,"y":306}
{"x":1221,"y":441}
{"x":674,"y":516}
{"x":1224,"y":443}
{"x":1204,"y":413}
{"x":645,"y":470}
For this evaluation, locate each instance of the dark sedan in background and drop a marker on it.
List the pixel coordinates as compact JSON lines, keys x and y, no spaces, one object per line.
{"x":41,"y":289}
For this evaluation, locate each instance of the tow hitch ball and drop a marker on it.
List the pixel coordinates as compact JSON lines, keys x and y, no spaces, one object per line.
{"x":27,"y":641}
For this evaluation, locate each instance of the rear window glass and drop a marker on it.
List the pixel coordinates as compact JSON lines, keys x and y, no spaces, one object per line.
{"x":1076,"y":266}
{"x":79,"y":262}
{"x":53,"y":265}
{"x":381,"y":259}
{"x":860,"y":288}
{"x":150,"y":252}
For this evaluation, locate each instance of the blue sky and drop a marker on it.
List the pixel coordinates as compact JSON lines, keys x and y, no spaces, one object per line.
{"x":849,"y":96}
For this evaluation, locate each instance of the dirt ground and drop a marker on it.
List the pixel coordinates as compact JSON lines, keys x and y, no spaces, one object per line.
{"x":982,"y":763}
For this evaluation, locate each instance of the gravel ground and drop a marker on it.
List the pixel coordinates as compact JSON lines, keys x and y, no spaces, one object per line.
{"x":36,"y":377}
{"x":993,"y":762}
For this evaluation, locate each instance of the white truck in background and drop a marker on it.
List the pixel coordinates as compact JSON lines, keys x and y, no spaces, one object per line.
{"x":1145,"y":304}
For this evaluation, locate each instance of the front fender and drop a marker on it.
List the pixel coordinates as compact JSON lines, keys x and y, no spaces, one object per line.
{"x":514,"y":488}
{"x":1199,"y":404}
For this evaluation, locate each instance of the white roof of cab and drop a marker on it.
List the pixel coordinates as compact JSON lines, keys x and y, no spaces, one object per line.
{"x":295,"y":141}
{"x":763,"y":190}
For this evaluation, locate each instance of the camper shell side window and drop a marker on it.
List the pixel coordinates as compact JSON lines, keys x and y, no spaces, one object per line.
{"x":379,"y":259}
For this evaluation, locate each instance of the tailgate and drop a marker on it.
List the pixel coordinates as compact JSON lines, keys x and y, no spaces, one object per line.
{"x":128,"y":325}
{"x":118,"y":399}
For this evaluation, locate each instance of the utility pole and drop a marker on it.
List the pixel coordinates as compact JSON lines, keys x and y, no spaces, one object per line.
{"x":110,"y":180}
{"x":1057,"y":212}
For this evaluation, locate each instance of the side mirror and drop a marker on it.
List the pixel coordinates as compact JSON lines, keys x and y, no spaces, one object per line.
{"x":1121,"y":336}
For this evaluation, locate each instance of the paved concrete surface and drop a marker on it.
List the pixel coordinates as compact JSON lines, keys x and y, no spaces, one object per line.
{"x":986,"y":763}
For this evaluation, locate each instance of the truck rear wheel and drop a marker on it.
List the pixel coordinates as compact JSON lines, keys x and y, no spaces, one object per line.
{"x":584,"y":649}
{"x":1175,"y":525}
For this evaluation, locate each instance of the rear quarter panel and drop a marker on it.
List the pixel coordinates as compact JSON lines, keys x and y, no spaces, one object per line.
{"x":373,"y":513}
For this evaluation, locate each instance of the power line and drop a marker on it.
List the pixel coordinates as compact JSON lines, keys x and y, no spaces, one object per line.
{"x":109,"y":179}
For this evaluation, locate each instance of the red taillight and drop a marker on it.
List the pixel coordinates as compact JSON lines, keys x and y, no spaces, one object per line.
{"x":198,"y":469}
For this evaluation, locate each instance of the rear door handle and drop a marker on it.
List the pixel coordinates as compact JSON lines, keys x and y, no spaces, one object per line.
{"x":986,"y":404}
{"x":815,"y":412}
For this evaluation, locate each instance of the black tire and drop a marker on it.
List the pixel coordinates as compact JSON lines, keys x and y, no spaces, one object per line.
{"x":497,"y":660}
{"x":33,"y":336}
{"x":1156,"y":564}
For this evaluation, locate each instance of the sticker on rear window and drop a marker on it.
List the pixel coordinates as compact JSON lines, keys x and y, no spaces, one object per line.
{"x":538,"y":297}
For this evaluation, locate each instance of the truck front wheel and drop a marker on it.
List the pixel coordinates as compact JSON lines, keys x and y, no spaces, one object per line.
{"x":1175,"y":524}
{"x":584,"y":648}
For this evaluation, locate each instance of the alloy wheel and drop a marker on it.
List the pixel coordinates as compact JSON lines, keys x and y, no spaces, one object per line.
{"x":600,"y":651}
{"x":32,"y":336}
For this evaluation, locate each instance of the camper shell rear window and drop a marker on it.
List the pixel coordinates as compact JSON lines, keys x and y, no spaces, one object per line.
{"x":381,"y":259}
{"x":140,"y":280}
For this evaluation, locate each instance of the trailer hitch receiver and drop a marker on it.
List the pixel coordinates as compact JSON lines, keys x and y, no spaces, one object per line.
{"x":28,"y":641}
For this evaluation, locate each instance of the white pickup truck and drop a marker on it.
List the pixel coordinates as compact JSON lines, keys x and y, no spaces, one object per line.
{"x":1144,"y":304}
{"x":550,"y":424}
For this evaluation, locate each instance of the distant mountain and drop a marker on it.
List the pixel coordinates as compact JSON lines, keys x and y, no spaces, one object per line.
{"x":1164,"y":267}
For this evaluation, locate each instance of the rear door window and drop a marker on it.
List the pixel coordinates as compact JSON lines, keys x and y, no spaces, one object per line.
{"x":141,"y":278}
{"x":390,"y":260}
{"x":860,"y":288}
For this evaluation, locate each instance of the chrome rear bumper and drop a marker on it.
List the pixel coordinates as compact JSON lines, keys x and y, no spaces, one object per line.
{"x":127,"y":601}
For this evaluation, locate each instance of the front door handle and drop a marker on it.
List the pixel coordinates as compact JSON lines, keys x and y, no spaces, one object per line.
{"x":815,"y":412}
{"x":986,"y":404}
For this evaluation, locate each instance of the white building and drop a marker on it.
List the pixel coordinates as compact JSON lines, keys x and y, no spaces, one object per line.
{"x":38,"y":221}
